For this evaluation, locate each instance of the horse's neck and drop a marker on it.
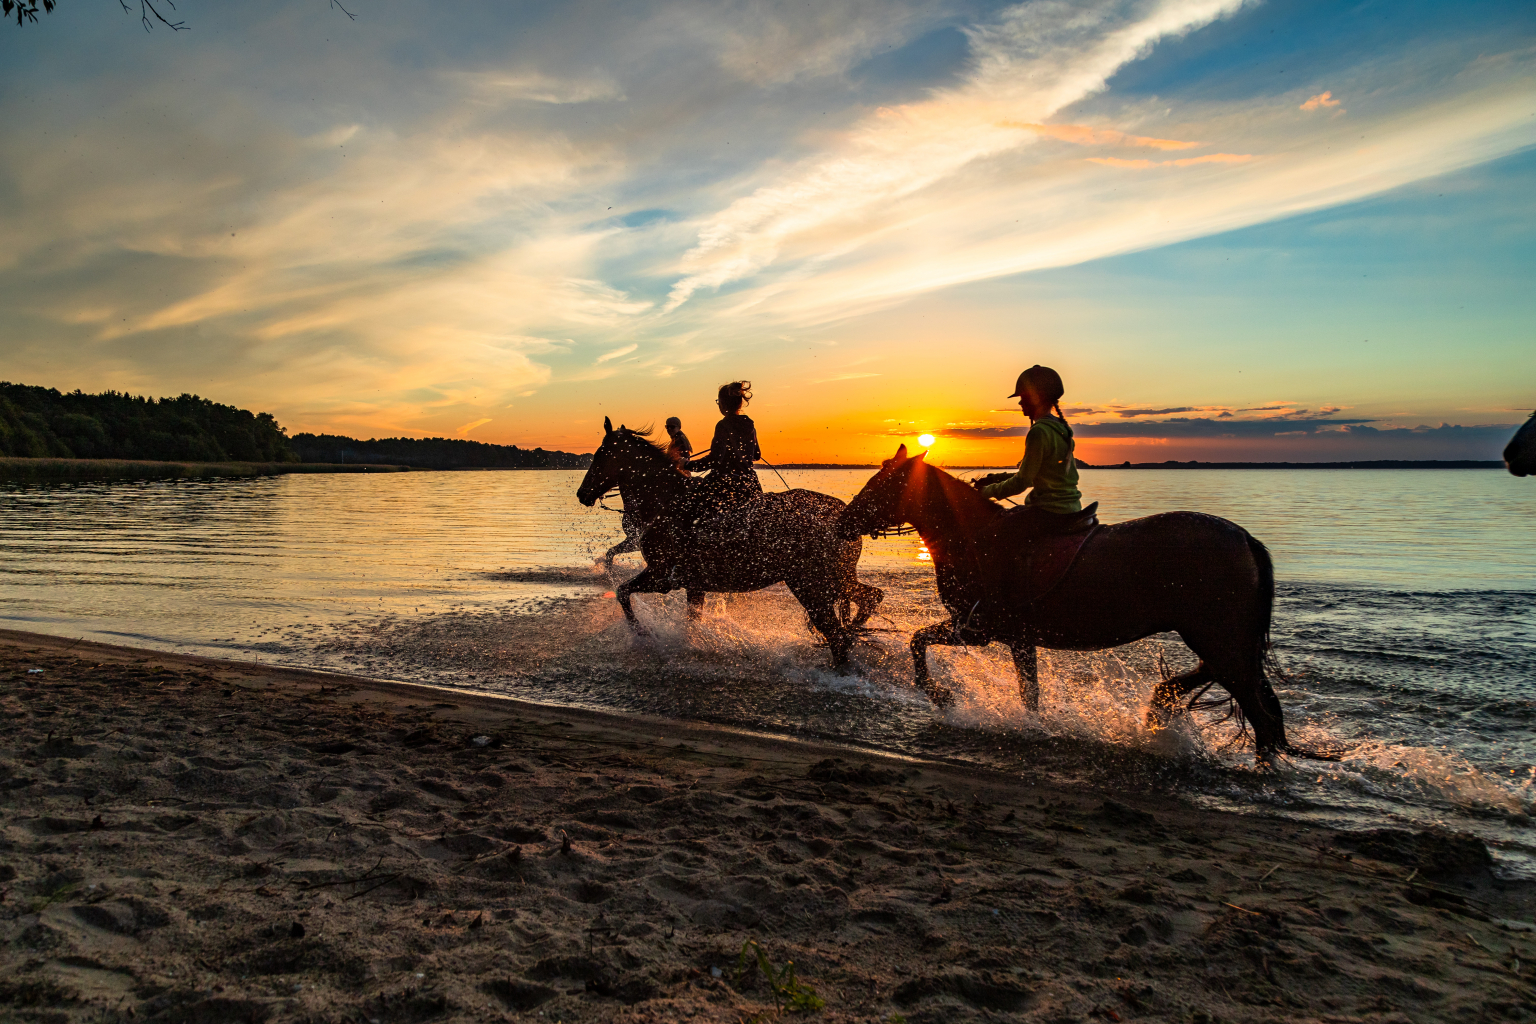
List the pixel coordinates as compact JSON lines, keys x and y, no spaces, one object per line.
{"x":950,"y":517}
{"x":650,"y":488}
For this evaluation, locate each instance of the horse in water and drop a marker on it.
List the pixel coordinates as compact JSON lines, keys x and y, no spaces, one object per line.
{"x":1203,"y":577}
{"x":780,"y":537}
{"x":1520,"y":453}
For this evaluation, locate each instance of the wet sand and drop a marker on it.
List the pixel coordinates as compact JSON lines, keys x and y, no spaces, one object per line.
{"x":184,"y":839}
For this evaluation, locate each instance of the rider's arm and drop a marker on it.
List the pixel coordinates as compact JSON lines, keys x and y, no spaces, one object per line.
{"x":717,"y":447}
{"x":1029,"y":468}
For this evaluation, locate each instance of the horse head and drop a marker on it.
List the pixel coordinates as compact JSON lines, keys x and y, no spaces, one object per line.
{"x":1520,"y":453}
{"x":629,"y":457}
{"x":603,"y":473}
{"x":882,"y":503}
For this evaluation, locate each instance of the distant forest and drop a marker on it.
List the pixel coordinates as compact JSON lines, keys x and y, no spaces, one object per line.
{"x":430,"y":453}
{"x":40,"y":422}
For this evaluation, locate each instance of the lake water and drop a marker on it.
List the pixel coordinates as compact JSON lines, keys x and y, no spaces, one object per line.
{"x":1406,"y":619}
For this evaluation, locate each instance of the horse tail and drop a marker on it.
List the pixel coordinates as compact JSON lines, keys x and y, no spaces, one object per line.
{"x":1266,"y":607}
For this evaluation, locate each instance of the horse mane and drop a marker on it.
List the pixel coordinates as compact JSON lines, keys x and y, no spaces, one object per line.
{"x":643,"y":435}
{"x":959,"y":493}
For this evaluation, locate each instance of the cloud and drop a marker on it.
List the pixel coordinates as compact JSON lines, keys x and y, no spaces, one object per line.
{"x":844,"y":376}
{"x":540,"y":88}
{"x":1033,"y":60}
{"x":1322,"y":100}
{"x":1082,"y":135}
{"x":616,"y":353}
{"x":938,"y":193}
{"x":1130,"y":413}
{"x":768,"y":44}
{"x":1189,"y":161}
{"x":1186,"y":427}
{"x":466,"y":428}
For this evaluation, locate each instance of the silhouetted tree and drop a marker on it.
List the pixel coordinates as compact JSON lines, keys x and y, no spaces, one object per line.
{"x":41,"y":422}
{"x":149,"y":12}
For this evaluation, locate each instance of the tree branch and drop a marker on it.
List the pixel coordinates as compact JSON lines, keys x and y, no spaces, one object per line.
{"x":147,"y":7}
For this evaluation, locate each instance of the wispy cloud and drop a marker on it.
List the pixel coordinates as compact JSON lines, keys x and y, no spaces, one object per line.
{"x":616,"y":353}
{"x":1082,"y":135}
{"x":1034,"y":59}
{"x":1322,"y":101}
{"x":536,"y":87}
{"x":1189,"y":161}
{"x":843,"y":376}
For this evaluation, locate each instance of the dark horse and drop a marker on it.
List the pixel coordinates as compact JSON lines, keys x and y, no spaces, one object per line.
{"x":1520,"y":453}
{"x":785,"y":536}
{"x":1203,"y":577}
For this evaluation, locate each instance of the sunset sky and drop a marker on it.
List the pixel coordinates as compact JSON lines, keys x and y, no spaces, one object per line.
{"x":1240,"y":230}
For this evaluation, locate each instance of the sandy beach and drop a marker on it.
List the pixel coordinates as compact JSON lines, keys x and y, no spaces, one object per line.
{"x":194,"y":840}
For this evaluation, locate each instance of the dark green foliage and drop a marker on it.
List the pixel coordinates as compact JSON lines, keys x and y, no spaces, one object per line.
{"x":41,"y":422}
{"x":430,"y":453}
{"x":25,"y":10}
{"x":789,"y":993}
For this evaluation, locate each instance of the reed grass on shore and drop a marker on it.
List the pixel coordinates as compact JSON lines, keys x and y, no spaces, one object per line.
{"x":44,"y":470}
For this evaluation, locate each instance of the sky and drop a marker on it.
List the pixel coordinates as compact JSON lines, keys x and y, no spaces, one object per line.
{"x":1297,"y":231}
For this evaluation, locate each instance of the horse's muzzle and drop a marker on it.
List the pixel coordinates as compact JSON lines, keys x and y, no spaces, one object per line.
{"x":587,"y":499}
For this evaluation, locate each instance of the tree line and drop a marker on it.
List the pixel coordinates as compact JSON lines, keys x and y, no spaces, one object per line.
{"x":37,"y":422}
{"x":430,"y":453}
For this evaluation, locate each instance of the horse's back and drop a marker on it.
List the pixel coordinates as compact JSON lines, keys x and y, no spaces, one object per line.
{"x":1174,"y":571}
{"x":795,"y":502}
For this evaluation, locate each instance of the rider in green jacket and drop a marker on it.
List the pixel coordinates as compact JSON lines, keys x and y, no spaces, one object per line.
{"x":1047,"y":470}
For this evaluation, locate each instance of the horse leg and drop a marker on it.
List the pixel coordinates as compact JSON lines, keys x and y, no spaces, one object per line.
{"x":1027,"y":664}
{"x":868,"y":600}
{"x":942,"y":634}
{"x":696,"y":603}
{"x":1238,"y":666}
{"x":1164,"y":703}
{"x":623,"y":547}
{"x":647,"y":581}
{"x":822,"y":609}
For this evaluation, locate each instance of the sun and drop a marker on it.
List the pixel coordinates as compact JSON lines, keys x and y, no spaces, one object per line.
{"x":926,"y":440}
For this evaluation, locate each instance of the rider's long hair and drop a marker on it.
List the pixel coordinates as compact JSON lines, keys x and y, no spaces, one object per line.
{"x":735,"y":394}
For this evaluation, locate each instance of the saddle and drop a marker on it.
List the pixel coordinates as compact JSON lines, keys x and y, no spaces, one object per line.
{"x":1054,"y":549}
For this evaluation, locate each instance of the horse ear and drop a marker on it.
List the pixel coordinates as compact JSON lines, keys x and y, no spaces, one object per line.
{"x":900,"y":456}
{"x":607,"y":425}
{"x":920,"y":454}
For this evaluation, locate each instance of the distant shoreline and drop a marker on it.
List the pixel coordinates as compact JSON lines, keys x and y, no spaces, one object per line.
{"x":27,"y":470}
{"x":43,"y":470}
{"x":1362,"y":464}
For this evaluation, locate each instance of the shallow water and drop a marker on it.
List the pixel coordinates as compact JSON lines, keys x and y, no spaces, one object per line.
{"x":1406,"y":615}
